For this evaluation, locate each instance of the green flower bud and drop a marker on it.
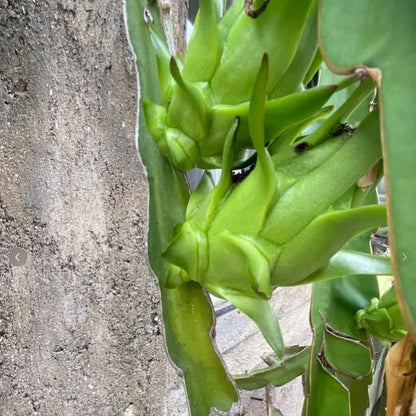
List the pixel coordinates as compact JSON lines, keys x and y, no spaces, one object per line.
{"x":383,"y":318}
{"x":203,"y":96}
{"x":282,"y":223}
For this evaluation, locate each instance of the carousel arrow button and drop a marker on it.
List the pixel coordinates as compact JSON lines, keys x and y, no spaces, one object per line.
{"x":17,"y":256}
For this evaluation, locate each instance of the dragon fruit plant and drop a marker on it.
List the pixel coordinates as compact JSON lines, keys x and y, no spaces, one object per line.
{"x":252,"y":92}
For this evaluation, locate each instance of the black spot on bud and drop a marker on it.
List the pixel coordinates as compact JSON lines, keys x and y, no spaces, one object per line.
{"x":301,"y":147}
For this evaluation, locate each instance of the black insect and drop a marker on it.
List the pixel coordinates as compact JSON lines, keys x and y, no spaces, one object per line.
{"x":343,"y":128}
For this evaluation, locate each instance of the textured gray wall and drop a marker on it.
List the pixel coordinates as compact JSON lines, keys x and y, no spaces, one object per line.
{"x":79,"y":327}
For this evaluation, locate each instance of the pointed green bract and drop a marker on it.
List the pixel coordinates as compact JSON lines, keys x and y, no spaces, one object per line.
{"x":292,"y":79}
{"x":162,"y":59}
{"x":313,"y":68}
{"x":332,"y":122}
{"x":187,"y":108}
{"x":293,"y":363}
{"x":310,"y":250}
{"x":280,"y":114}
{"x":205,"y":36}
{"x":277,"y":32}
{"x":343,"y":95}
{"x":205,"y":186}
{"x":261,"y":312}
{"x":351,"y":263}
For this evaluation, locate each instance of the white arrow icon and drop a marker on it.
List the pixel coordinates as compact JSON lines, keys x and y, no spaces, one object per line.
{"x":17,"y":256}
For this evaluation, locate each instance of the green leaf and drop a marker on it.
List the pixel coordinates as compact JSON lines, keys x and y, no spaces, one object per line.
{"x":380,"y":35}
{"x":186,"y":311}
{"x":293,"y":363}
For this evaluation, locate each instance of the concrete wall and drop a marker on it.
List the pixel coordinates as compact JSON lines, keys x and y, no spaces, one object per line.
{"x":79,"y":327}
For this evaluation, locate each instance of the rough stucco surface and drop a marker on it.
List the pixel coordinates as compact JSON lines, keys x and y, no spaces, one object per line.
{"x":79,"y":327}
